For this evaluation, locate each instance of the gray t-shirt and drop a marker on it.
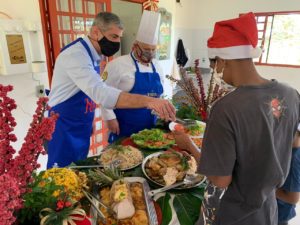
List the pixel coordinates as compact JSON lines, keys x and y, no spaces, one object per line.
{"x":249,"y":136}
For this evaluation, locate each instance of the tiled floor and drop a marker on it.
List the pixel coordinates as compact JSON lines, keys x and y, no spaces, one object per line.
{"x":296,"y":220}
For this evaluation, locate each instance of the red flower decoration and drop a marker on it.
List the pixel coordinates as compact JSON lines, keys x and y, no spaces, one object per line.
{"x":16,"y":173}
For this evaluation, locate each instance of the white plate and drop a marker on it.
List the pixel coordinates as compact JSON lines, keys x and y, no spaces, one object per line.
{"x":173,"y":124}
{"x":159,"y":184}
{"x":122,"y":169}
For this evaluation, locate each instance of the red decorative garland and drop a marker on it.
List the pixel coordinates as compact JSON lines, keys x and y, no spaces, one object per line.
{"x":15,"y":173}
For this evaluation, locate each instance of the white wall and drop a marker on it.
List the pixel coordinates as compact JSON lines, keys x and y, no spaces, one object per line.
{"x":24,"y":85}
{"x":195,"y":20}
{"x":168,"y":65}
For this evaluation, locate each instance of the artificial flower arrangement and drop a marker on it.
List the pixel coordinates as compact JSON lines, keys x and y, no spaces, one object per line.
{"x":54,"y":198}
{"x":196,"y":103}
{"x":48,"y":198}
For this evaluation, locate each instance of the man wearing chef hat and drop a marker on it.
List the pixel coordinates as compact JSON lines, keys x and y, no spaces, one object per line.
{"x":136,"y":73}
{"x":249,"y":134}
{"x":77,"y":87}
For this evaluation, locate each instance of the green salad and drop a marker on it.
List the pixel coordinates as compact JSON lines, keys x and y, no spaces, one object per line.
{"x":196,"y":130}
{"x":154,"y":138}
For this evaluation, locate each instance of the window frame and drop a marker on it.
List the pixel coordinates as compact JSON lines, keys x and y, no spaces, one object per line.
{"x":266,"y":14}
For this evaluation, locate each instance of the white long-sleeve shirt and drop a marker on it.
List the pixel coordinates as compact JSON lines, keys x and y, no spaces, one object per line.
{"x":120,"y":73}
{"x":74,"y":71}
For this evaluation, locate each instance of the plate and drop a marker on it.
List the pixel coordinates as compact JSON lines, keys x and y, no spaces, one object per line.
{"x":200,"y":126}
{"x":130,"y":157}
{"x":153,"y":139}
{"x":200,"y":178}
{"x":149,"y":203}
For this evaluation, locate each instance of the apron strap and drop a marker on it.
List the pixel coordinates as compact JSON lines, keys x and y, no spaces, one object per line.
{"x":70,"y":44}
{"x":135,"y":62}
{"x":137,"y":66}
{"x":153,"y":67}
{"x":85,"y":45}
{"x":87,"y":48}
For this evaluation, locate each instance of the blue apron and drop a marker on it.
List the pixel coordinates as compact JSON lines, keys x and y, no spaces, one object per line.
{"x":71,"y":138}
{"x":134,"y":120}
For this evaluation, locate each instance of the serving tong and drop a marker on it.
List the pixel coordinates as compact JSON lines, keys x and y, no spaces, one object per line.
{"x":114,"y":163}
{"x":94,"y":200}
{"x":188,"y":180}
{"x":186,"y":122}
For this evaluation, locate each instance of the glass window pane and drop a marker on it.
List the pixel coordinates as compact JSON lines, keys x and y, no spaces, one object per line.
{"x":89,"y":23}
{"x":261,"y":19}
{"x":259,"y":43}
{"x":79,"y":35}
{"x":77,"y":6}
{"x":265,"y":52}
{"x":78,"y":24}
{"x":90,"y":7}
{"x":260,"y":34}
{"x":63,"y":22}
{"x":270,"y":19}
{"x":285,"y":40}
{"x":260,"y":26}
{"x":62,"y":5}
{"x":67,"y":39}
{"x":64,"y":39}
{"x":100,"y":7}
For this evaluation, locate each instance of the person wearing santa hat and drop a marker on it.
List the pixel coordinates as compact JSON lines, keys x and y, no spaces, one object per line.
{"x":138,"y":73}
{"x":245,"y":142}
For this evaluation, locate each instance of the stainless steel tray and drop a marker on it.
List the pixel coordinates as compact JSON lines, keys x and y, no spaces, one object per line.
{"x":149,"y":203}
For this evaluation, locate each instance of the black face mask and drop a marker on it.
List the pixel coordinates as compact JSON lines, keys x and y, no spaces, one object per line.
{"x":108,"y":48}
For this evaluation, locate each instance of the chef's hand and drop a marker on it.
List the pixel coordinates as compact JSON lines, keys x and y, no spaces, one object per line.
{"x":113,"y":126}
{"x":163,"y":108}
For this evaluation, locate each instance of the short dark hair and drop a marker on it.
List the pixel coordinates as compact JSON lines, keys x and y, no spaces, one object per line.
{"x":104,"y":19}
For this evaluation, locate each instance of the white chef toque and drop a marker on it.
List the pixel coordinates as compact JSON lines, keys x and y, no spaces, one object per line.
{"x":149,"y":27}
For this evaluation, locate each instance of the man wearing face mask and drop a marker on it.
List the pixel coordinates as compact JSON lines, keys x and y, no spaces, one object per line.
{"x":77,"y":87}
{"x":248,"y":130}
{"x":138,"y":73}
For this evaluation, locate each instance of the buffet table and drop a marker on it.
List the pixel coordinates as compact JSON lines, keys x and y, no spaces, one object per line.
{"x":173,"y":207}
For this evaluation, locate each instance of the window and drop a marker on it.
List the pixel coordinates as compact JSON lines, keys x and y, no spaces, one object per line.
{"x":279,"y":37}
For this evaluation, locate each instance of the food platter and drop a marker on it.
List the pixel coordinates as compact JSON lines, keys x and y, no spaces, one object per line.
{"x":157,"y":176}
{"x":149,"y":205}
{"x":126,"y":157}
{"x":153,"y":139}
{"x":194,"y":131}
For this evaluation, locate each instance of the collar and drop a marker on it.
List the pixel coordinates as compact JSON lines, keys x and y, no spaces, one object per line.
{"x":95,"y":55}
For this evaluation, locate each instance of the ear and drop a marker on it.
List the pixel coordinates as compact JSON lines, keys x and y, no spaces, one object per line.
{"x":221,"y":64}
{"x":95,"y":33}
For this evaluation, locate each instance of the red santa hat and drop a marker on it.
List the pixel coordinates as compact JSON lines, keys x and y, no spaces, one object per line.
{"x":235,"y":39}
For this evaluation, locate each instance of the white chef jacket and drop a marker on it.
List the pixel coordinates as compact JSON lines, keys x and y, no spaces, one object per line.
{"x":120,"y":73}
{"x":74,"y":71}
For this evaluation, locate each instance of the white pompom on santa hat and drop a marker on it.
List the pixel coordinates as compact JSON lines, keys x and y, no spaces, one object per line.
{"x":235,"y":39}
